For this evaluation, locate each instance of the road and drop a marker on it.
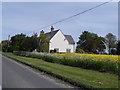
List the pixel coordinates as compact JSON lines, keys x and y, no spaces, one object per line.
{"x":16,"y":75}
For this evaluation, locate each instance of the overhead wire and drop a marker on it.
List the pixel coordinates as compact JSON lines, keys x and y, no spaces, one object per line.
{"x":62,"y":20}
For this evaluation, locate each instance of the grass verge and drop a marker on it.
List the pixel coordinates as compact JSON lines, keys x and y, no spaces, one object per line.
{"x":77,"y":76}
{"x":102,"y":63}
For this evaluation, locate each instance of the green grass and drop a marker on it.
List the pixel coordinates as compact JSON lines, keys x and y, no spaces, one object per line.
{"x":83,"y":76}
{"x":104,"y":64}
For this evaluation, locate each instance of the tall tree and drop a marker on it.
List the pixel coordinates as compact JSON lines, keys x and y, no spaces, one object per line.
{"x":110,"y":41}
{"x":34,"y":41}
{"x":90,"y":42}
{"x":30,"y":43}
{"x":16,"y":41}
{"x":43,"y":43}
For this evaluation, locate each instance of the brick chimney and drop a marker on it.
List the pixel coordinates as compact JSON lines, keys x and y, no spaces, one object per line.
{"x":52,"y":28}
{"x":41,"y":32}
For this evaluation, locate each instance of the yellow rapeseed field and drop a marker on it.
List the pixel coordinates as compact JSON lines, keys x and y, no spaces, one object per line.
{"x":114,"y":58}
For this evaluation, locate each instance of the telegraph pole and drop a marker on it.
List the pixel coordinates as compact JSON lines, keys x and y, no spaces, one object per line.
{"x":8,"y":43}
{"x":8,"y":39}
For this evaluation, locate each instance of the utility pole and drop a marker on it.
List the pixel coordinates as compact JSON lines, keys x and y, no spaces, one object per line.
{"x":8,"y":40}
{"x":8,"y":43}
{"x":39,"y":45}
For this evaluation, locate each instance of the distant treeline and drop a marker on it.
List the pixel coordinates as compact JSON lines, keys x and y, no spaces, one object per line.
{"x":88,"y":43}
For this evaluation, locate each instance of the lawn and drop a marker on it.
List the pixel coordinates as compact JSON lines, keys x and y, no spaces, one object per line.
{"x":84,"y":76}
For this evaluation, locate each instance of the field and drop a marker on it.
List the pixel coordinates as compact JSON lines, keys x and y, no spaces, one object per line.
{"x":98,"y":57}
{"x":85,"y":77}
{"x":107,"y":63}
{"x":102,"y":63}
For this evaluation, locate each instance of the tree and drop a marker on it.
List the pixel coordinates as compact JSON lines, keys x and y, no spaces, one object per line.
{"x":43,"y":43}
{"x":30,"y":43}
{"x":110,"y":41}
{"x":17,"y":42}
{"x":21,"y":42}
{"x":4,"y":45}
{"x":90,"y":42}
{"x":34,"y":41}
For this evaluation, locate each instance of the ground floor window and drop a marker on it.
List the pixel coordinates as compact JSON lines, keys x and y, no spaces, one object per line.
{"x":68,"y":50}
{"x":56,"y":49}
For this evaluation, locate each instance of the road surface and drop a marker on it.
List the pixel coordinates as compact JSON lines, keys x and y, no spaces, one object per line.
{"x":16,"y":75}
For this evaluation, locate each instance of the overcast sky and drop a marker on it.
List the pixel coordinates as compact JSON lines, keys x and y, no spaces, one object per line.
{"x":28,"y":17}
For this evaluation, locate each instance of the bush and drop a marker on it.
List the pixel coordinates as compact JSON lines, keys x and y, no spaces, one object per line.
{"x":80,"y":51}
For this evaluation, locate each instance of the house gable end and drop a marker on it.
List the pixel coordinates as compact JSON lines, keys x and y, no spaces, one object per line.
{"x":60,"y":43}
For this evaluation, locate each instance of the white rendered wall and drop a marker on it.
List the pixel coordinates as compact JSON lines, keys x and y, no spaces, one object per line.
{"x":59,"y":41}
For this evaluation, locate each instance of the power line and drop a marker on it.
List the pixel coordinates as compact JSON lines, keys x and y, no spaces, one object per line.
{"x":75,"y":15}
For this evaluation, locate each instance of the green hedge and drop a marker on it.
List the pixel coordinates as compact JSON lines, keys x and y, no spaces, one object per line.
{"x":102,"y":66}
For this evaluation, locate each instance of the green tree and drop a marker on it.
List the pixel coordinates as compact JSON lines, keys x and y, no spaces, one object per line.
{"x":34,"y":41}
{"x":5,"y":44}
{"x":43,"y":43}
{"x":110,"y":41}
{"x":20,"y":42}
{"x":26,"y":44}
{"x":13,"y":48}
{"x":17,"y":42}
{"x":90,"y":42}
{"x":30,"y":43}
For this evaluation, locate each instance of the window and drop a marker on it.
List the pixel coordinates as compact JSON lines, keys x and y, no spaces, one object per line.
{"x":68,"y":50}
{"x":56,"y":49}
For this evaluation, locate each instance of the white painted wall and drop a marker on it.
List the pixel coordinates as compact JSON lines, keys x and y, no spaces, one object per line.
{"x":59,"y":41}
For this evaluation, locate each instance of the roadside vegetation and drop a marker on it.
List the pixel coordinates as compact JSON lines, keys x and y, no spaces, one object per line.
{"x":83,"y":76}
{"x":87,"y":43}
{"x":98,"y":62}
{"x":90,"y":65}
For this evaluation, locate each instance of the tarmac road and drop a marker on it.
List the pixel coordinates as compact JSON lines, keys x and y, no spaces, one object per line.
{"x":16,"y":75}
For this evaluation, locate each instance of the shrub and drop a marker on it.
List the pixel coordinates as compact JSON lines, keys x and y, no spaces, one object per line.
{"x":80,"y":51}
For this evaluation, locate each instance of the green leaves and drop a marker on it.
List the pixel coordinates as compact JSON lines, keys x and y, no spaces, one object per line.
{"x":20,"y":42}
{"x":90,"y":42}
{"x":43,"y":43}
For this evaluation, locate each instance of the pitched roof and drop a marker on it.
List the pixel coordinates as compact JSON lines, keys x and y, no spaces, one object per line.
{"x":70,"y":39}
{"x":51,"y":34}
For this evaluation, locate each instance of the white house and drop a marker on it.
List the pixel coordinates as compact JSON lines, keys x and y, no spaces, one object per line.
{"x":59,"y":42}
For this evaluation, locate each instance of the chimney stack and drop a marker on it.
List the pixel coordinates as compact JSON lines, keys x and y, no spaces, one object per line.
{"x":52,"y":28}
{"x":41,"y":32}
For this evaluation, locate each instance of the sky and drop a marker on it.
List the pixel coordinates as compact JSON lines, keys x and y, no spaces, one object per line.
{"x":0,"y":21}
{"x":29,"y":17}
